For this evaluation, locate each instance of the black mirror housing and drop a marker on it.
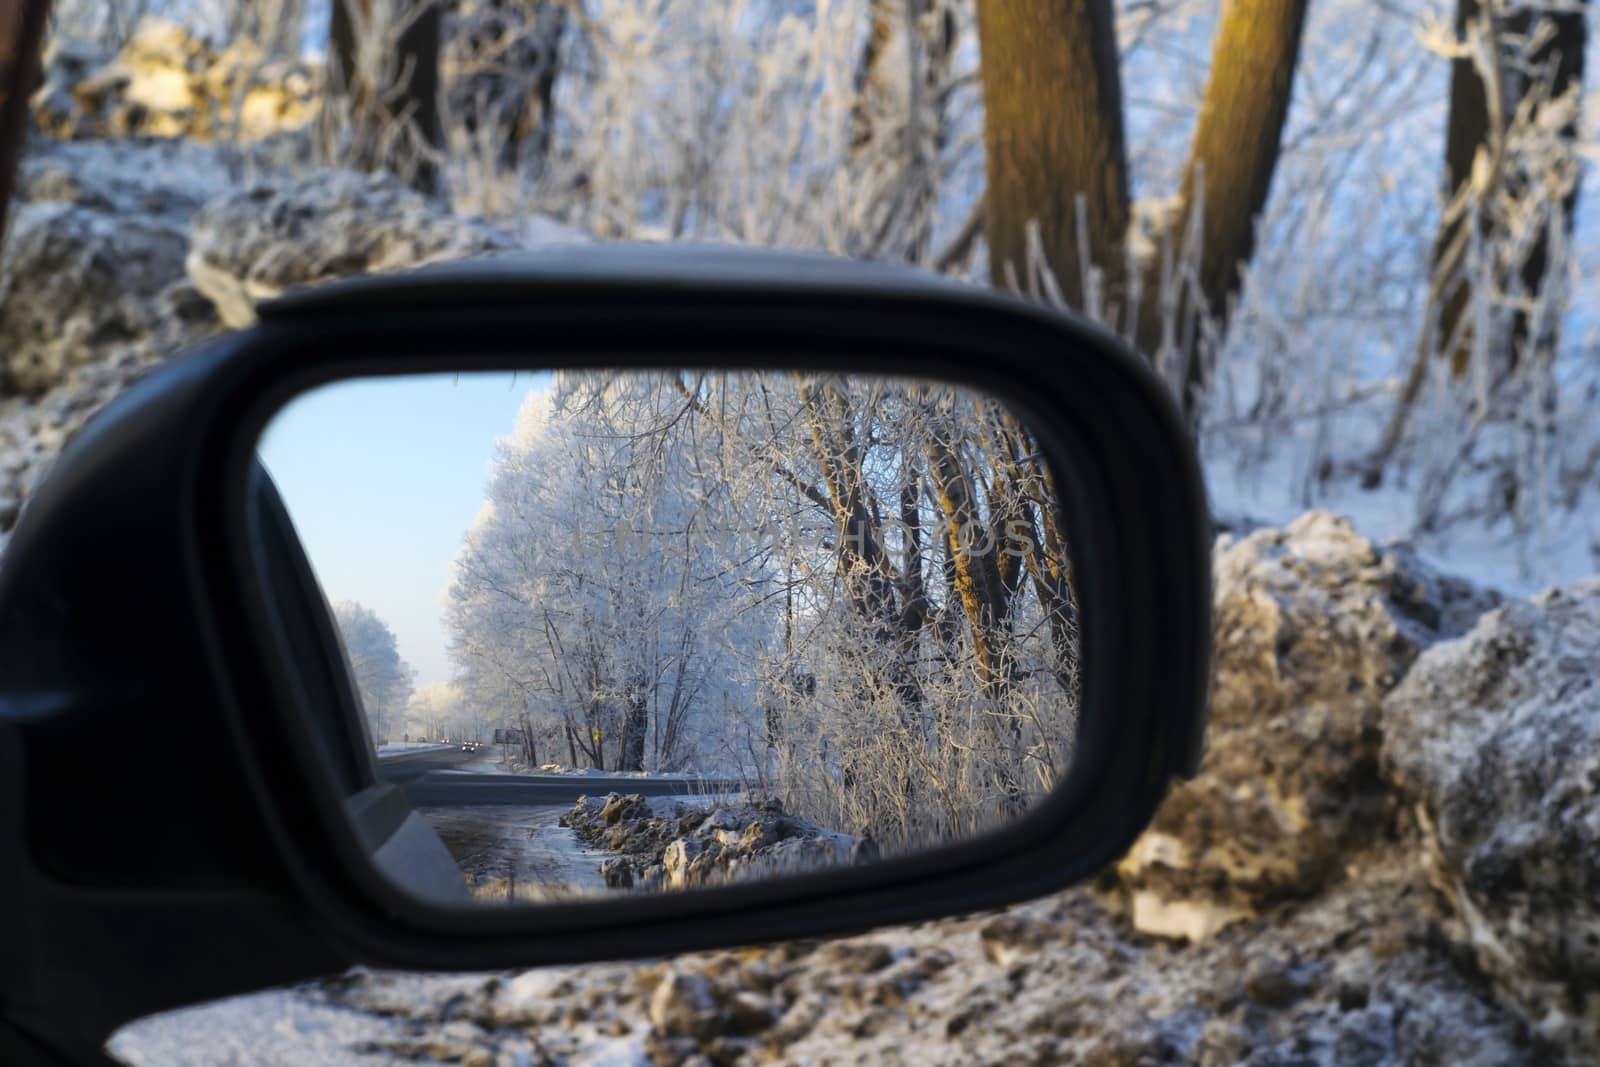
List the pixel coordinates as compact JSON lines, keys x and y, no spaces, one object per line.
{"x":161,"y":635}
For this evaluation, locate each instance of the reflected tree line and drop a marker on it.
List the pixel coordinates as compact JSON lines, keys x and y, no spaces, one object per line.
{"x":852,"y":592}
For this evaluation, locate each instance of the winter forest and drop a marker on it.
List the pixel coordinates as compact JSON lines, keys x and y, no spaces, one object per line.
{"x":1349,"y":234}
{"x":850,"y":590}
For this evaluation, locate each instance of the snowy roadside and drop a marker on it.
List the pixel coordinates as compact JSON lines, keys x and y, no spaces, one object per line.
{"x":489,"y":763}
{"x":595,"y":772}
{"x":663,"y":843}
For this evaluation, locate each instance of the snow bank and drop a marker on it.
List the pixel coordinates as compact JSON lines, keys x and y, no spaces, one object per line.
{"x":686,"y":846}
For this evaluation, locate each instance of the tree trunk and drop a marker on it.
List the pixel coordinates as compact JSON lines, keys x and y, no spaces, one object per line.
{"x":863,"y":560}
{"x":533,"y":131}
{"x":1561,"y":58}
{"x":1228,"y":177}
{"x":979,"y":582}
{"x":22,"y":28}
{"x":1054,"y":135}
{"x":393,"y":112}
{"x":1053,"y":132}
{"x":1045,"y":557}
{"x":530,"y":752}
{"x":1466,"y":132}
{"x":898,"y":121}
{"x":595,"y":749}
{"x":635,"y":727}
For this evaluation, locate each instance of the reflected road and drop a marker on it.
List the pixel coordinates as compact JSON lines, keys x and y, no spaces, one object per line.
{"x":452,"y":778}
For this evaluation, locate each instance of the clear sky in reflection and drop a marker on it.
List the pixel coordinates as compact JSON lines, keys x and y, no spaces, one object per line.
{"x":383,"y":477}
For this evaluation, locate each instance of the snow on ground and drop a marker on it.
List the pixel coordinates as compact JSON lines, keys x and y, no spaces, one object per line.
{"x":1495,"y":555}
{"x":664,"y":807}
{"x":596,"y":772}
{"x":283,"y":1026}
{"x":489,"y":763}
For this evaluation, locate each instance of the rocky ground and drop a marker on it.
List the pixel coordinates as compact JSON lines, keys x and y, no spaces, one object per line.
{"x":1391,"y":854}
{"x":687,"y":845}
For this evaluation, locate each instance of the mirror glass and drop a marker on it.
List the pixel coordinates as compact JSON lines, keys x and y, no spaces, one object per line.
{"x":648,"y":631}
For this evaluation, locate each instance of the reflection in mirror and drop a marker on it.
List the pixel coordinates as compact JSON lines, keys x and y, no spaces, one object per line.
{"x":636,"y":631}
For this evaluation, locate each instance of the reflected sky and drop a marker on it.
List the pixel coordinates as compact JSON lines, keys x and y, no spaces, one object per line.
{"x":410,"y":457}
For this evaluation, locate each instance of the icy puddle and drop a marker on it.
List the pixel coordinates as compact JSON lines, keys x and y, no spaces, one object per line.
{"x":518,"y":854}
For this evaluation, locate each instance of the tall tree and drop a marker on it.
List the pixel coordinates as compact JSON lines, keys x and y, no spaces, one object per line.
{"x":899,"y":120}
{"x":384,"y":59}
{"x":502,"y":59}
{"x":1518,"y":74}
{"x":1227,"y":179}
{"x":1537,"y":58}
{"x":382,"y":678}
{"x":1057,"y":160}
{"x":586,"y":598}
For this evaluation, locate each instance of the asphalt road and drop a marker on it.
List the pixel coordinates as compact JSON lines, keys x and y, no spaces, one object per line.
{"x":441,"y":779}
{"x":406,"y":766}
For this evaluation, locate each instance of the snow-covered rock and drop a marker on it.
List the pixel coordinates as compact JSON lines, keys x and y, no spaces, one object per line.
{"x":678,"y":858}
{"x":169,"y":82}
{"x":690,"y":847}
{"x":682,"y":1006}
{"x":76,"y":282}
{"x":121,"y":253}
{"x":92,"y":289}
{"x":256,"y":243}
{"x":1314,"y":625}
{"x":145,"y":177}
{"x":92,"y":271}
{"x":1495,"y":741}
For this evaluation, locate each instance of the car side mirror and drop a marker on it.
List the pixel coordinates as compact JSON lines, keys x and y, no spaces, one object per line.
{"x":846,"y":595}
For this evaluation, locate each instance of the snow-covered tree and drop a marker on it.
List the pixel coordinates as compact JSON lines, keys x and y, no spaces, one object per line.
{"x":382,"y":87}
{"x":440,"y":711}
{"x":382,"y":678}
{"x":587,"y":609}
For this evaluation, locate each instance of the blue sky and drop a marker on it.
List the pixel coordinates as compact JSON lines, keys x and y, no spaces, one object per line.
{"x":383,"y":476}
